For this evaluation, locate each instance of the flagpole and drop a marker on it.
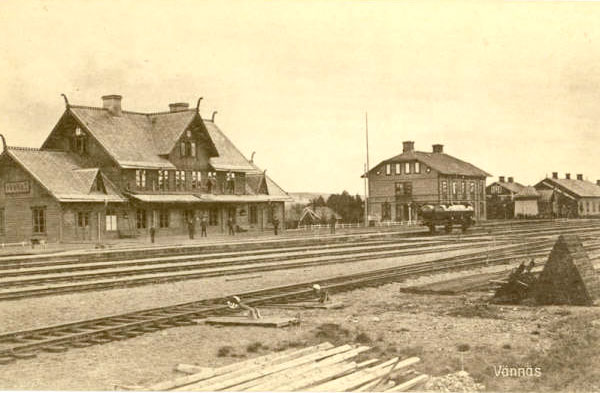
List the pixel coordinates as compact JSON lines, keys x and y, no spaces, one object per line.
{"x":367,"y":171}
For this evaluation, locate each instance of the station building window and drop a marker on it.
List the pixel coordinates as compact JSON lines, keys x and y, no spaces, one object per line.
{"x":213,"y":216}
{"x":407,"y":168}
{"x":388,"y":169}
{"x":398,"y":168}
{"x":39,"y":219}
{"x":386,"y":211}
{"x":83,"y":219}
{"x":140,"y":178}
{"x":163,"y":219}
{"x":111,"y":220}
{"x":140,"y":219}
{"x":253,"y":214}
{"x":196,"y":179}
{"x":417,"y":167}
{"x":163,"y":180}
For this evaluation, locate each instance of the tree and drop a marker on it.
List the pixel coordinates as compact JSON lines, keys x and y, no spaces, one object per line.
{"x":347,"y":206}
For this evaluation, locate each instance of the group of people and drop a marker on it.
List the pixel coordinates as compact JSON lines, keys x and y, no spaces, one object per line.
{"x":191,"y":226}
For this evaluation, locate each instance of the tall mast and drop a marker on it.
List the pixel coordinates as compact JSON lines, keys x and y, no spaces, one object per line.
{"x":367,"y":171}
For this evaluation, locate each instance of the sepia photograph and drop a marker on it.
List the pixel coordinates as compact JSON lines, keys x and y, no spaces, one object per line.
{"x":300,"y":196}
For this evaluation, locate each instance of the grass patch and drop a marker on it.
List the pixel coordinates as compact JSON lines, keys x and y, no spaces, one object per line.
{"x":332,"y":332}
{"x":255,"y":347}
{"x":478,"y":310}
{"x":225,"y":351}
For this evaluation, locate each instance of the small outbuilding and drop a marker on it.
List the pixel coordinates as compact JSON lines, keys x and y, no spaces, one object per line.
{"x":526,"y":203}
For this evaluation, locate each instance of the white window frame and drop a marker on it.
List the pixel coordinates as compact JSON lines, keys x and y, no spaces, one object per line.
{"x":388,"y":169}
{"x":407,"y":168}
{"x":417,"y":167}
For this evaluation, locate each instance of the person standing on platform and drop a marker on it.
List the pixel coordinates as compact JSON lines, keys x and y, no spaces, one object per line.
{"x":230,"y":226}
{"x":203,"y":225}
{"x":191,"y":227}
{"x":152,"y":233}
{"x":332,"y":222}
{"x":275,"y":225}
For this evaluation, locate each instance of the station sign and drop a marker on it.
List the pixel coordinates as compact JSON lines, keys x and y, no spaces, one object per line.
{"x":16,"y":187}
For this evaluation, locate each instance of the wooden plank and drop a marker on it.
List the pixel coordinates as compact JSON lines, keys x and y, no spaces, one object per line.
{"x":236,"y":378}
{"x":403,"y":387}
{"x":264,"y":322}
{"x":317,"y":376}
{"x":191,"y":368}
{"x":272,"y":381}
{"x":247,"y":364}
{"x":353,"y":381}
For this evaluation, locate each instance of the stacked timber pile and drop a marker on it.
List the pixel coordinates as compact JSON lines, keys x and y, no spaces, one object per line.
{"x":457,"y":382}
{"x":320,"y":368}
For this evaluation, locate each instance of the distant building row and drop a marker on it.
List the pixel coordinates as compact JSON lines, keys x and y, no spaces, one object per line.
{"x":550,"y":198}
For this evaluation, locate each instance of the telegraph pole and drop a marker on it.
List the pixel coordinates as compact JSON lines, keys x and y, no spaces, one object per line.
{"x":367,"y":171}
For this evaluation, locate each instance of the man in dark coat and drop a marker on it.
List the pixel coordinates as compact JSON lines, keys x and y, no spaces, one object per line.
{"x":203,"y":224}
{"x":230,"y":226}
{"x":191,"y":227}
{"x":332,"y":222}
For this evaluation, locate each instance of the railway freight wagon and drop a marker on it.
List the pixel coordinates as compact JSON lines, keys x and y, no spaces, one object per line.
{"x":447,"y":216}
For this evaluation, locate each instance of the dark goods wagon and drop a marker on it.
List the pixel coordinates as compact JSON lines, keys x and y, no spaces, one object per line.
{"x":447,"y":216}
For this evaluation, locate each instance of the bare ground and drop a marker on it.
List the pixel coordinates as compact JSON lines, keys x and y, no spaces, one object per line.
{"x":447,"y":332}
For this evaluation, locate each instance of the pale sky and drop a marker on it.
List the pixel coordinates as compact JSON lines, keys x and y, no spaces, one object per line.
{"x":512,"y":87}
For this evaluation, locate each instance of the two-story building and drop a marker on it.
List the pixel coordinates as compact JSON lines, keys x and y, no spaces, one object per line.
{"x":105,"y":173}
{"x":500,"y":198}
{"x":400,"y":185}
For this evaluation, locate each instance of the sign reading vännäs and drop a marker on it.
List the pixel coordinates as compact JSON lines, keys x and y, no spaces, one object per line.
{"x":16,"y":187}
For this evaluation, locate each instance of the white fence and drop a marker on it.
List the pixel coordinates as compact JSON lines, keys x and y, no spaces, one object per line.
{"x":358,"y":225}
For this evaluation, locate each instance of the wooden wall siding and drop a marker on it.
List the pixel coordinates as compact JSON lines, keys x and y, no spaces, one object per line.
{"x":18,"y":217}
{"x":426,"y":188}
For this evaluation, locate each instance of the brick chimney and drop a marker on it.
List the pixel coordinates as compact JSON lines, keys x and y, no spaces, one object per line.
{"x":113,"y":104}
{"x":511,"y":179}
{"x":408,"y":146}
{"x":438,"y":148}
{"x":555,"y":175}
{"x":567,"y":176}
{"x":501,"y":179}
{"x":179,"y":106}
{"x":579,"y":176}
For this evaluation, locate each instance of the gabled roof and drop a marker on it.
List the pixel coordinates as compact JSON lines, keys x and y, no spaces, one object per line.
{"x":441,"y":162}
{"x":62,"y":176}
{"x":512,"y":187}
{"x":527,"y":193}
{"x":580,"y":188}
{"x":230,"y":158}
{"x":141,"y":140}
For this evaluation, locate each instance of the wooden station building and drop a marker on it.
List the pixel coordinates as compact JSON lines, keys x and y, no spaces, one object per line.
{"x":569,"y":198}
{"x":400,"y":185}
{"x":105,"y":173}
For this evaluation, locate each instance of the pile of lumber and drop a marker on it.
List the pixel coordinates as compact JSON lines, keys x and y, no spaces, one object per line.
{"x":320,"y":368}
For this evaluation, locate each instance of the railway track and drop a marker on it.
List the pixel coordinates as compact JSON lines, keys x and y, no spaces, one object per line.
{"x":42,"y":278}
{"x":58,"y":338}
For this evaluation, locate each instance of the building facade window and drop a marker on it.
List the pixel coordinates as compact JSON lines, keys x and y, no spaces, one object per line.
{"x":417,"y":167}
{"x":230,"y":183}
{"x":196,"y":179}
{"x":140,"y":219}
{"x":140,"y":178}
{"x":111,"y":220}
{"x":179,"y":180}
{"x":39,"y":219}
{"x":83,"y":219}
{"x":472,"y":190}
{"x":163,"y":180}
{"x":454,"y":188}
{"x":463,"y":189}
{"x":399,"y":189}
{"x":398,"y":212}
{"x":211,"y":184}
{"x":253,"y":214}
{"x":398,"y":168}
{"x":386,"y":211}
{"x":163,"y":219}
{"x":444,"y":188}
{"x":213,"y":216}
{"x":388,"y":169}
{"x":407,"y":168}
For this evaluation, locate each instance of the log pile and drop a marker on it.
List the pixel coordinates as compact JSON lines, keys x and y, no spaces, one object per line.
{"x":320,"y":368}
